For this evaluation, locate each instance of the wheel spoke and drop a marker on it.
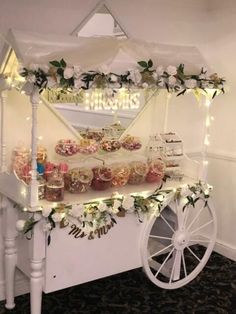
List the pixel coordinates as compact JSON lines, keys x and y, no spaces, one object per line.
{"x":173,"y":268}
{"x":194,"y":254}
{"x":159,"y":237}
{"x":199,"y":240}
{"x":185,"y":213}
{"x":177,"y":265}
{"x":183,"y":260}
{"x":195,"y":218}
{"x":167,"y":223}
{"x":203,"y":226}
{"x":162,"y":250}
{"x":163,"y":264}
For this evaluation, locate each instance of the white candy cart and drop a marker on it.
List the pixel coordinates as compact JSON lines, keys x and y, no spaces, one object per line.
{"x":172,"y":242}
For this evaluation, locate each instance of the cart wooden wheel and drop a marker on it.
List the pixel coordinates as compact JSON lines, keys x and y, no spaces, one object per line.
{"x":177,"y":245}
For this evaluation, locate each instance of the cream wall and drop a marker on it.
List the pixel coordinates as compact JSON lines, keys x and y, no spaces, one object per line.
{"x":178,"y":22}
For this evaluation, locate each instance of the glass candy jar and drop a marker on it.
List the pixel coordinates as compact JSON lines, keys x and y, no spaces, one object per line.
{"x":48,"y":169}
{"x":131,"y":143}
{"x":55,"y":187}
{"x":78,"y":180}
{"x":66,"y":147}
{"x":121,"y":172}
{"x":20,"y":158}
{"x":138,"y":171}
{"x":41,"y":187}
{"x":96,"y":135}
{"x":87,"y":146}
{"x":110,"y":144}
{"x":156,"y":171}
{"x":41,"y":154}
{"x":102,"y":178}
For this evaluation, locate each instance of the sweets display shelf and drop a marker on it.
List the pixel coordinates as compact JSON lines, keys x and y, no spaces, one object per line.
{"x":176,"y":215}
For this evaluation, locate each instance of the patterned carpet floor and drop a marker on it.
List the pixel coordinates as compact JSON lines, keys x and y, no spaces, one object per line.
{"x":212,"y":292}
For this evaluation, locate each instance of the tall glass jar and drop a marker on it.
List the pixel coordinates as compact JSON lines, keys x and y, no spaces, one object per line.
{"x":78,"y":180}
{"x":55,"y":187}
{"x":138,"y":171}
{"x":102,"y":177}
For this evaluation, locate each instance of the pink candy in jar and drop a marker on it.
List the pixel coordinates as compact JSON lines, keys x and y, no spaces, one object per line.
{"x":66,"y":147}
{"x":63,"y":168}
{"x":131,"y":143}
{"x":121,"y":172}
{"x":156,"y":171}
{"x":87,"y":146}
{"x":138,"y":171}
{"x":48,"y":170}
{"x":26,"y":173}
{"x":20,"y":158}
{"x":102,"y":177}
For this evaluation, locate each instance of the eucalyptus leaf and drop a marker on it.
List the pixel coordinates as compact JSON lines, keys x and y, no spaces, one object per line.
{"x":55,"y":63}
{"x":143,"y":64}
{"x":63,"y":63}
{"x":150,"y":63}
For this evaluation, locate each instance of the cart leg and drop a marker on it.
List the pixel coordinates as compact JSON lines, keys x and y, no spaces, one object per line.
{"x":10,"y":234}
{"x":36,"y":286}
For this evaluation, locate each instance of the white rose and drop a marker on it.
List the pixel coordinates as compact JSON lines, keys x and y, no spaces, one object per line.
{"x":77,"y":71}
{"x":135,"y":76}
{"x":47,"y":227}
{"x":171,"y":70}
{"x":46,"y":211}
{"x":68,"y":72}
{"x":102,"y":207}
{"x":191,"y":83}
{"x":89,"y":217}
{"x":128,"y":202}
{"x":172,"y":80}
{"x":20,"y":224}
{"x":76,"y":210}
{"x":31,"y":78}
{"x":160,"y":70}
{"x":57,"y":217}
{"x":145,"y":85}
{"x":113,"y":78}
{"x":116,"y":204}
{"x":113,"y":210}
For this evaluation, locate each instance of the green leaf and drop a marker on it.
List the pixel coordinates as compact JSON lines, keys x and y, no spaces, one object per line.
{"x":150,"y":63}
{"x":63,"y":63}
{"x":143,"y":64}
{"x":49,"y":239}
{"x":55,"y":63}
{"x":182,"y":92}
{"x":214,"y":95}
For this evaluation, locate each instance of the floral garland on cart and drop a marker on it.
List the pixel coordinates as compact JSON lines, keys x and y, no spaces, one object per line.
{"x":68,"y":78}
{"x":95,"y":219}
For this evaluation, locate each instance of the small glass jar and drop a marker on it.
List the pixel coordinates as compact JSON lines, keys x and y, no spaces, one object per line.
{"x":110,"y":145}
{"x":41,"y":187}
{"x":102,"y":178}
{"x":20,"y":158}
{"x":41,"y":154}
{"x":156,"y":171}
{"x":26,"y":173}
{"x":87,"y":146}
{"x":121,"y":172}
{"x":48,"y":169}
{"x":55,"y":187}
{"x":66,"y":147}
{"x":131,"y":143}
{"x":78,"y":180}
{"x":138,"y":171}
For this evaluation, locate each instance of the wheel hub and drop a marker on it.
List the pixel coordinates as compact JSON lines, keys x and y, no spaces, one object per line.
{"x":180,"y":239}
